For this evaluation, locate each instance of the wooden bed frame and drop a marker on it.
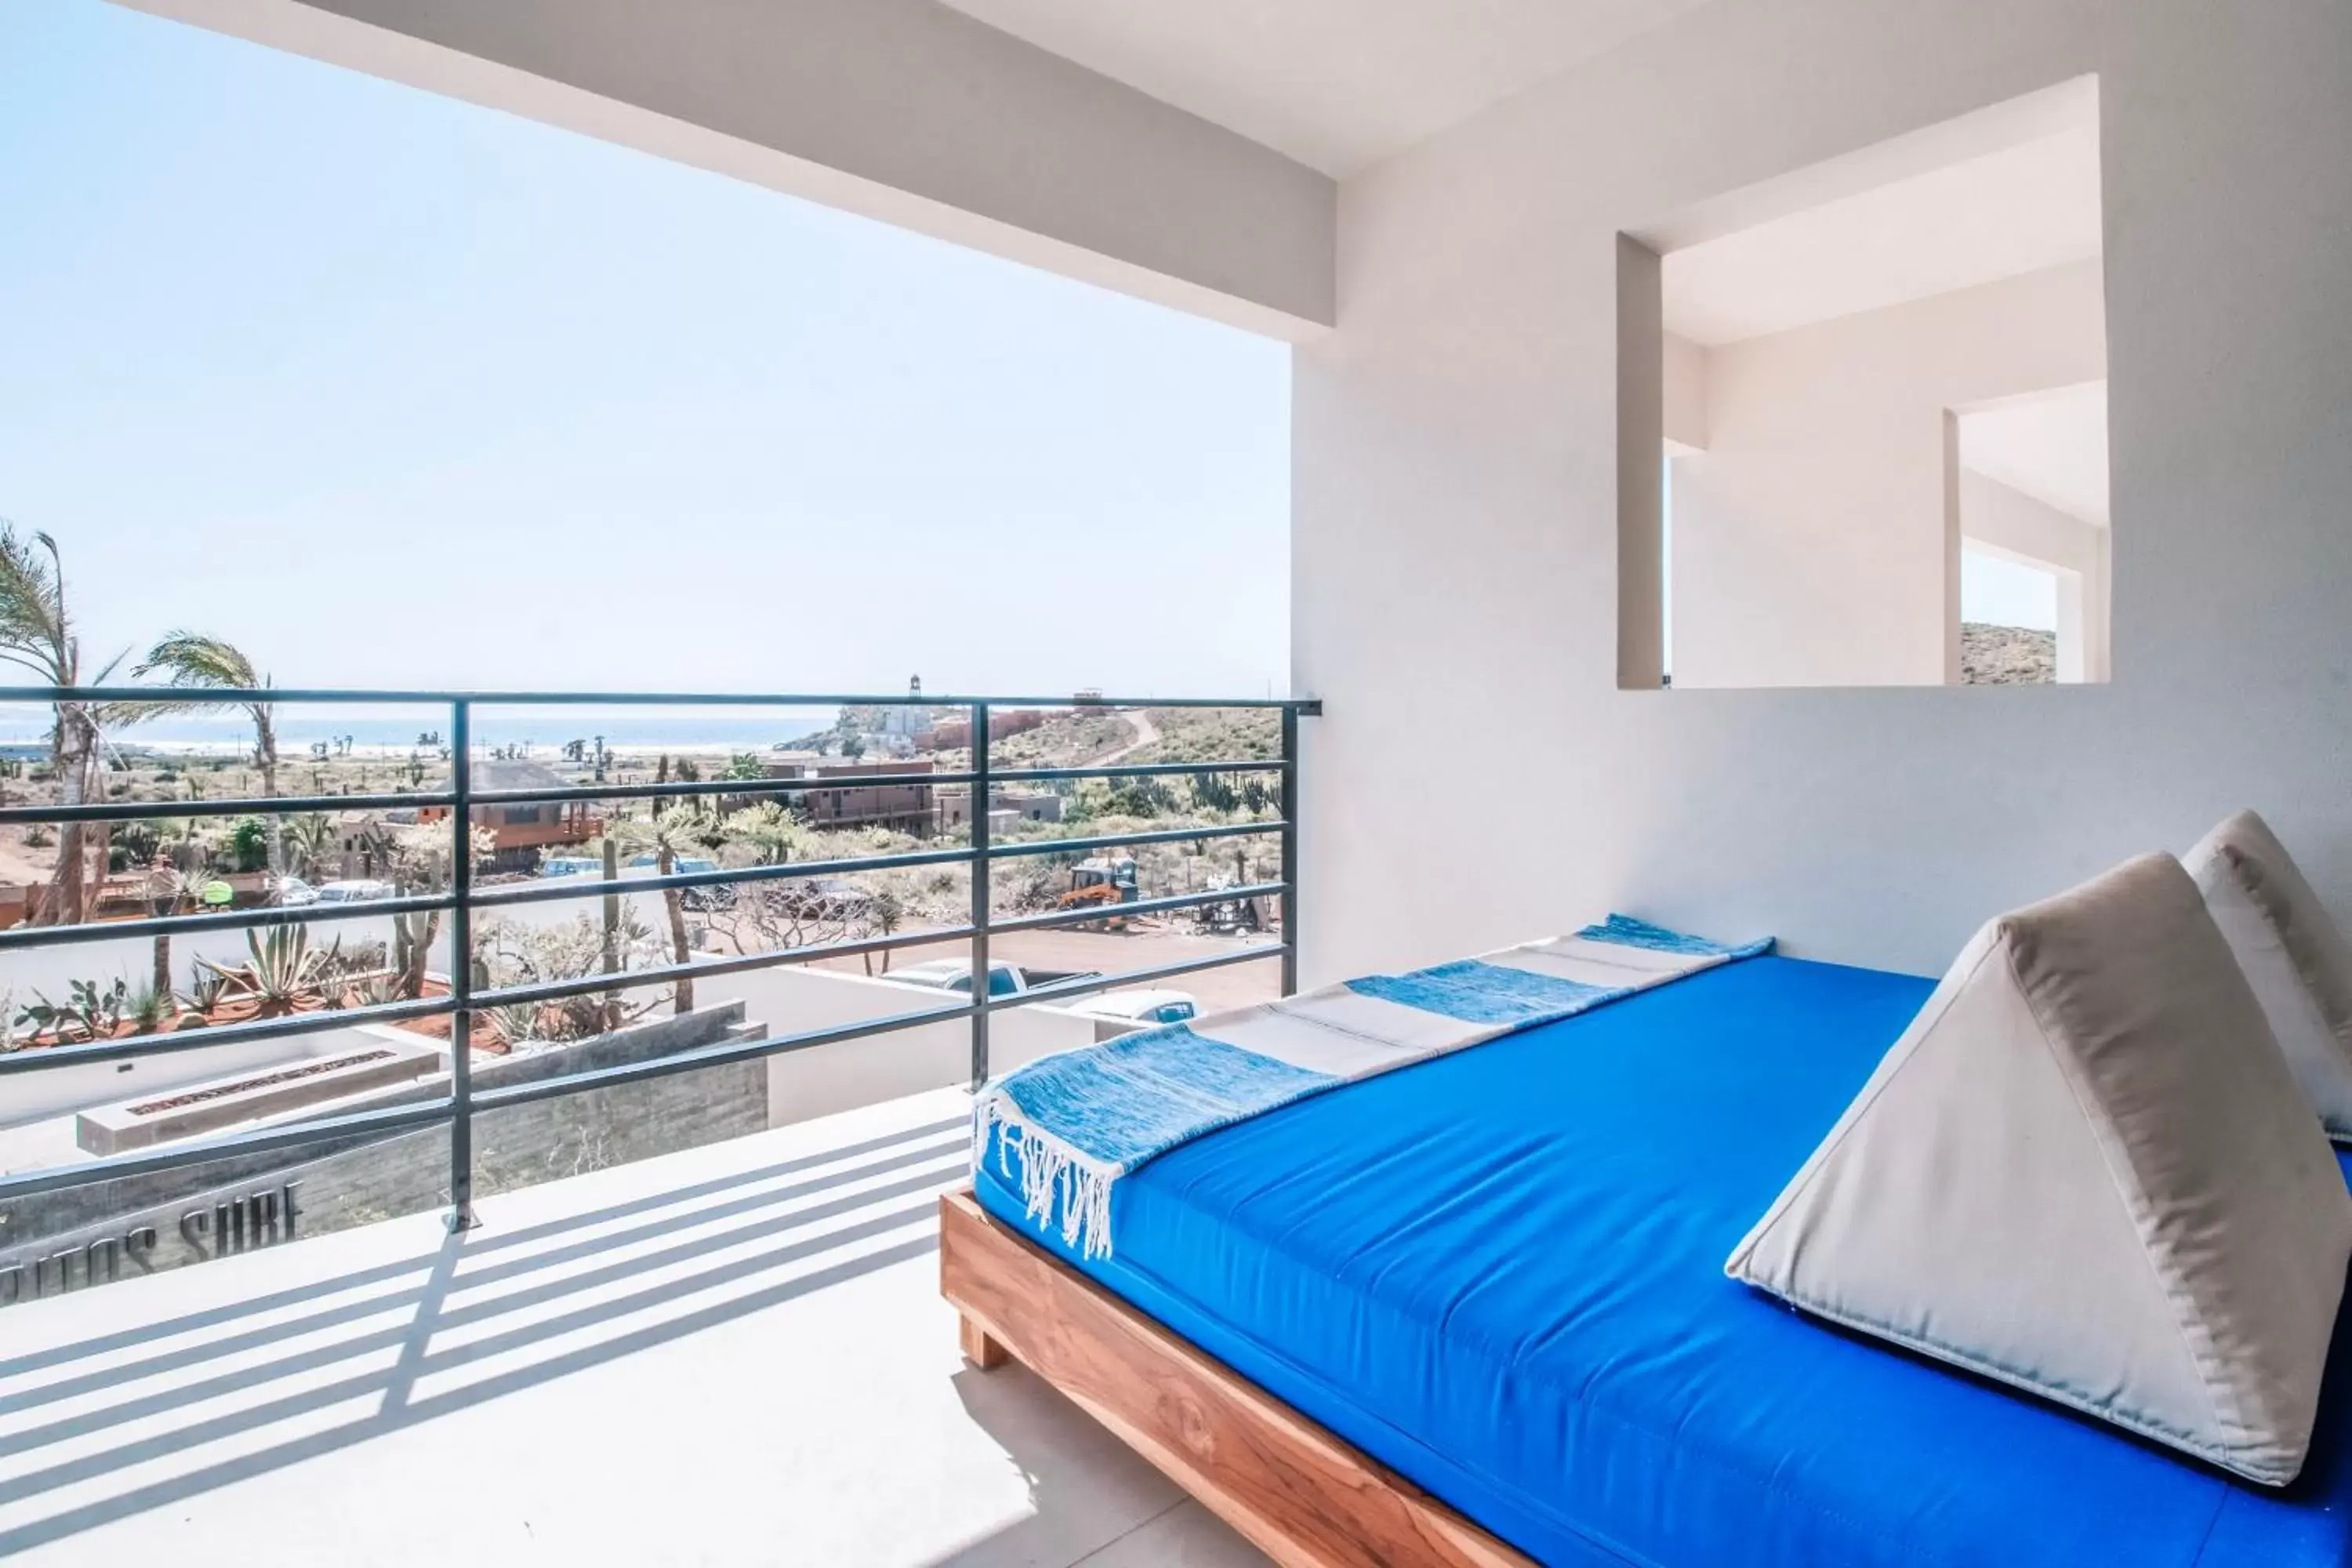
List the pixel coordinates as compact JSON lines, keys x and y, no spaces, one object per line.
{"x":1301,"y":1496}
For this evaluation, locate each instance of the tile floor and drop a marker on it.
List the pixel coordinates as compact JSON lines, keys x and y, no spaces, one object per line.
{"x":732,"y":1356}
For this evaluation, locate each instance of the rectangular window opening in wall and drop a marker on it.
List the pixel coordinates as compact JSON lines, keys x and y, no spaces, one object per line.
{"x":1879,"y":387}
{"x":2008,"y":618}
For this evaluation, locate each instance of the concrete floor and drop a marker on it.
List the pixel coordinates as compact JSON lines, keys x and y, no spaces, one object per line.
{"x":731,"y":1355}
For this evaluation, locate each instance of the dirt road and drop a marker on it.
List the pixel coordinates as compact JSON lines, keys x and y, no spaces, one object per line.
{"x":1146,"y":732}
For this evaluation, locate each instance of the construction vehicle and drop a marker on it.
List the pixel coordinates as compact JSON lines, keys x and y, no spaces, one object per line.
{"x":1104,"y":884}
{"x":1231,"y":917}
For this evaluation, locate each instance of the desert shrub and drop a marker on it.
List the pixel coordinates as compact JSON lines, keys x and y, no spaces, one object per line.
{"x":248,"y":844}
{"x":512,"y":952}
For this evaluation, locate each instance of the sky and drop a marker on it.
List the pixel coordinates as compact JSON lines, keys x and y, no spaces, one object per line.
{"x":2007,"y":593}
{"x":392,"y":390}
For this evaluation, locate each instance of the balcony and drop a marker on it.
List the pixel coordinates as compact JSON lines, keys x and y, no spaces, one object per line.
{"x":710,"y":1204}
{"x":1677,"y":403}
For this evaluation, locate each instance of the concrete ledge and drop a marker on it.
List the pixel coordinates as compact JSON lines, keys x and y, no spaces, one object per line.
{"x":374,"y":1063}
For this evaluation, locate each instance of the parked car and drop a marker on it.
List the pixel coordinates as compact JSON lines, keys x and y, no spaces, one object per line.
{"x":953,"y":975}
{"x":294,"y":893}
{"x":679,"y":863}
{"x":356,"y":891}
{"x":827,"y":898}
{"x":720,"y":896}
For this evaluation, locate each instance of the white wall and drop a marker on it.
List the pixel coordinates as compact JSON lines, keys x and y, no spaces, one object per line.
{"x":1810,"y":542}
{"x":1683,"y":400}
{"x":903,"y":109}
{"x":1455,"y":525}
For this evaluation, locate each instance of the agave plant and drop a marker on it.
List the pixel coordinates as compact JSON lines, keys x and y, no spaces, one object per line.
{"x":283,"y":972}
{"x":515,"y":1023}
{"x":206,"y":991}
{"x":150,"y":1010}
{"x":377,"y":988}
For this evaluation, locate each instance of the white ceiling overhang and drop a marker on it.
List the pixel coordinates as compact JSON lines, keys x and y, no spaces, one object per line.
{"x":1336,"y":84}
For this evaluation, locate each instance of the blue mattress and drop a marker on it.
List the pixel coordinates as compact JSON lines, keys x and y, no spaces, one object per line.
{"x":1501,"y":1273}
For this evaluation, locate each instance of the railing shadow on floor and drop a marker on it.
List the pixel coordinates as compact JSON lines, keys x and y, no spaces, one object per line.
{"x":474,"y":1282}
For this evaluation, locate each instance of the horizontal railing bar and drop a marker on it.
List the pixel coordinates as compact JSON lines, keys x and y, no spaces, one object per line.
{"x":1047,"y":922}
{"x":33,"y":1058}
{"x":1087,"y":985}
{"x":1128,"y":771}
{"x":555,"y":889}
{"x":708,"y":1056}
{"x":393,"y":1119}
{"x":31,"y":936}
{"x":836,"y":785}
{"x":632,"y":979}
{"x":288,"y":806}
{"x":292,"y":805}
{"x":228,"y":696}
{"x":267,"y":806}
{"x":999,"y":850}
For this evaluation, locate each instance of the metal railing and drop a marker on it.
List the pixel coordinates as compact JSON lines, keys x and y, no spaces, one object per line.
{"x":463,"y":1001}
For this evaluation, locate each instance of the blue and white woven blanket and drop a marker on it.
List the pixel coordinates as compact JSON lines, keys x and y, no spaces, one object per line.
{"x":1076,"y":1121}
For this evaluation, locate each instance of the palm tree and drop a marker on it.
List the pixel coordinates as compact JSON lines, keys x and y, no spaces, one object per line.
{"x":168,"y":891}
{"x":37,"y":635}
{"x":885,"y":912}
{"x":679,"y":830}
{"x":189,"y":659}
{"x":312,"y":836}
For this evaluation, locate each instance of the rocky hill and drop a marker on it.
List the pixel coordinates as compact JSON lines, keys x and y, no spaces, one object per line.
{"x":2007,"y":656}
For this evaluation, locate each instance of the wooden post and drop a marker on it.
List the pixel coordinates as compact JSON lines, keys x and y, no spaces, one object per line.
{"x":983,"y":1352}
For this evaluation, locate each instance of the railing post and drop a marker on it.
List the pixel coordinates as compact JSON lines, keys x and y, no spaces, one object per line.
{"x":461,"y":966}
{"x":1289,"y":851}
{"x":979,"y":893}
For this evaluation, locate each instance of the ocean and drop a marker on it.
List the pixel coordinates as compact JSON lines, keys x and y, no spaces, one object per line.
{"x":381,"y":731}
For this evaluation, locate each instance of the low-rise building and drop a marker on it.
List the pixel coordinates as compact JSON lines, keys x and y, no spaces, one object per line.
{"x":520,"y":830}
{"x":904,"y":807}
{"x":1006,"y":807}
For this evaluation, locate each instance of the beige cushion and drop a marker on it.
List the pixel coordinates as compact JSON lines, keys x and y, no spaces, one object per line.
{"x":2085,"y":1169}
{"x":2293,"y":955}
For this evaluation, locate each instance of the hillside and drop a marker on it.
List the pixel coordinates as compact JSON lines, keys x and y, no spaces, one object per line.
{"x":2007,"y":656}
{"x":1212,"y":735}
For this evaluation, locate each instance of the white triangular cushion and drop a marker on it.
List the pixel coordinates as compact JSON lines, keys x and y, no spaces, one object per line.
{"x":2293,"y":956}
{"x":2086,"y":1170}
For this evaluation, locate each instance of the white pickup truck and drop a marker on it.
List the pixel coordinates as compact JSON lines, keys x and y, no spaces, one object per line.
{"x":953,"y":975}
{"x":1122,"y":1012}
{"x":1113,"y":1012}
